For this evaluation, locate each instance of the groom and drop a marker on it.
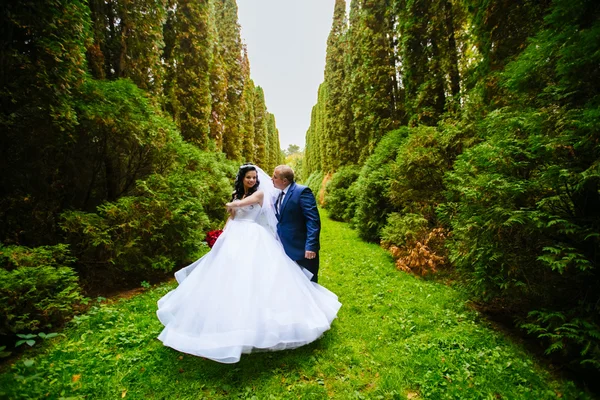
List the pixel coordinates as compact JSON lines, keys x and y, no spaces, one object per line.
{"x":299,"y":223}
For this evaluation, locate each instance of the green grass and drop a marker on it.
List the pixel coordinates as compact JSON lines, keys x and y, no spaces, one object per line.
{"x":397,"y":337}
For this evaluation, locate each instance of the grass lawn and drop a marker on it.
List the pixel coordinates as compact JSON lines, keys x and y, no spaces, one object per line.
{"x":396,"y":337}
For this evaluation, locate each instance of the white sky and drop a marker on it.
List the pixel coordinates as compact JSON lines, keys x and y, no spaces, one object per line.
{"x":286,"y":41}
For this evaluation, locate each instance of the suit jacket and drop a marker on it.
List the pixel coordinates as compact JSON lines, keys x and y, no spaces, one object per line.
{"x":299,"y":223}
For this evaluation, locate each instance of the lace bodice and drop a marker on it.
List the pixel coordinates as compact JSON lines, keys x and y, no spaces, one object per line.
{"x":248,"y":213}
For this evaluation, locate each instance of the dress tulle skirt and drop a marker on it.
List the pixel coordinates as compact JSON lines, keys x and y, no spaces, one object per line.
{"x":244,"y":295}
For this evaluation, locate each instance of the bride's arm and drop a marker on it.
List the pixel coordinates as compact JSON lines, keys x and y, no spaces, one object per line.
{"x":256,"y":197}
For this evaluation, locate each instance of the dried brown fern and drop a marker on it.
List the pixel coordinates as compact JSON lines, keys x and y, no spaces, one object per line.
{"x":420,"y":256}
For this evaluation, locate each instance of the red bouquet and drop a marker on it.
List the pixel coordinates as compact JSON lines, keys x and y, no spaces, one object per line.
{"x":212,"y":236}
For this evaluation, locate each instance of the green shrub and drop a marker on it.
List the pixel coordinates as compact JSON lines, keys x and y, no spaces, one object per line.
{"x":38,"y":288}
{"x":523,"y":207}
{"x":160,"y":226}
{"x":371,"y":189}
{"x":417,"y":175}
{"x":338,"y":199}
{"x":314,"y":182}
{"x":403,"y":228}
{"x":567,"y":334}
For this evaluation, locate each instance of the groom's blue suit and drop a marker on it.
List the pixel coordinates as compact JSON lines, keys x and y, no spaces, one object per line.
{"x":299,"y":226}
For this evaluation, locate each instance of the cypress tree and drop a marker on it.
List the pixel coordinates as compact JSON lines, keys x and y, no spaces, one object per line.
{"x":218,"y":84}
{"x":247,"y":130}
{"x":192,"y":60}
{"x":420,"y":55}
{"x":230,"y":47}
{"x":338,"y":134}
{"x":43,"y":65}
{"x":372,"y":73}
{"x":274,"y":146}
{"x":128,"y":39}
{"x":260,"y":127}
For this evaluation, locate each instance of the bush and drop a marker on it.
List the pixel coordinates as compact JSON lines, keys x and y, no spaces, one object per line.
{"x":314,"y":182}
{"x":567,"y":335}
{"x":38,"y":288}
{"x":415,"y":247}
{"x":338,"y":199}
{"x":523,"y":207}
{"x":159,"y":227}
{"x":404,"y":228}
{"x":371,"y":189}
{"x":417,"y":175}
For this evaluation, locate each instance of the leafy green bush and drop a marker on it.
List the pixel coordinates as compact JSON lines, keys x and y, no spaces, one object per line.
{"x":372,"y":187}
{"x":524,"y":205}
{"x":160,"y":226}
{"x":417,"y":179}
{"x":338,"y":199}
{"x":314,"y":182}
{"x":120,"y":137}
{"x":403,"y":228}
{"x":38,"y":288}
{"x":566,"y":334}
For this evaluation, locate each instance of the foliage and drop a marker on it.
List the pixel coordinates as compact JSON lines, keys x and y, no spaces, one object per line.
{"x":230,"y":47}
{"x":416,"y":183}
{"x":314,"y":182}
{"x":517,"y":86}
{"x":316,"y":147}
{"x":43,"y":63}
{"x":567,"y":334}
{"x":524,"y":204}
{"x":402,"y":229}
{"x":372,"y":77}
{"x":421,"y":256}
{"x":121,"y":138}
{"x":371,"y":189}
{"x":94,"y":100}
{"x":296,"y":163}
{"x":39,"y":289}
{"x":128,"y":39}
{"x":419,"y":339}
{"x":159,"y":226}
{"x":413,"y":244}
{"x":338,"y":199}
{"x":338,"y":139}
{"x":292,"y":149}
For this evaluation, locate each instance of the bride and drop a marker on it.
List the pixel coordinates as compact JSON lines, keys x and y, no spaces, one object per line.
{"x":246,"y":294}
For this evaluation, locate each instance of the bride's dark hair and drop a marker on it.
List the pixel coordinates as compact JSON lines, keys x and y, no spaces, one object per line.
{"x":239,"y":191}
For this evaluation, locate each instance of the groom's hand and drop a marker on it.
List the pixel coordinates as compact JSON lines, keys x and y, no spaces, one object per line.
{"x":310,"y":254}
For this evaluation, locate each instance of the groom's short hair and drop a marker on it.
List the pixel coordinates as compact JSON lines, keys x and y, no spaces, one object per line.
{"x":286,"y":172}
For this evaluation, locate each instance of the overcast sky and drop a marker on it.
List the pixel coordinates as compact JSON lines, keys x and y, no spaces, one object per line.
{"x":286,"y":41}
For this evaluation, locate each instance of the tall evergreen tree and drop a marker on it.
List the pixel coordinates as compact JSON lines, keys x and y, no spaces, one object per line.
{"x":247,"y":129}
{"x":230,"y":47}
{"x":371,"y":55}
{"x":274,"y":146}
{"x":260,"y":127}
{"x":128,"y":38}
{"x":339,"y":135}
{"x":218,"y":84}
{"x":421,"y":33}
{"x":192,"y":60}
{"x":500,"y":29}
{"x":42,"y":66}
{"x":311,"y":149}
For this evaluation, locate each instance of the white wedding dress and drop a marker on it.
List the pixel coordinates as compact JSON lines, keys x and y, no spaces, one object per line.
{"x":244,"y":295}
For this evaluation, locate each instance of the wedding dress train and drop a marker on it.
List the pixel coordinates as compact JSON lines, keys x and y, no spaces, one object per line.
{"x":244,"y":295}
